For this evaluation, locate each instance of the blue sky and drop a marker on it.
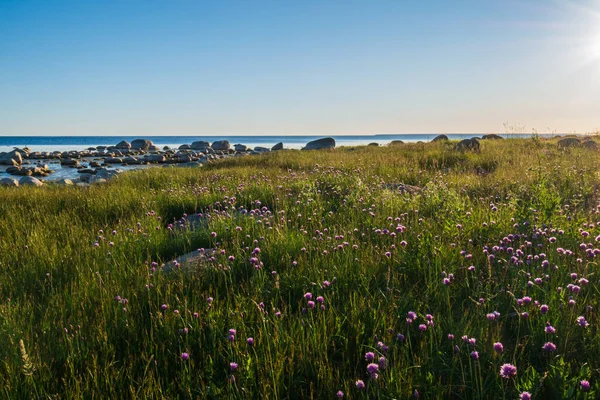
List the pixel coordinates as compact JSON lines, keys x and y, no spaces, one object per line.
{"x":269,"y":67}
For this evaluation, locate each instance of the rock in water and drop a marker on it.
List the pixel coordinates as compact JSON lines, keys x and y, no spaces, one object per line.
{"x":440,"y":138}
{"x":123,"y":145}
{"x":199,"y":145}
{"x":278,"y":146}
{"x":69,"y":162}
{"x":12,"y":158}
{"x":141,"y":144}
{"x":221,"y":145}
{"x":30,"y":181}
{"x":325,"y":143}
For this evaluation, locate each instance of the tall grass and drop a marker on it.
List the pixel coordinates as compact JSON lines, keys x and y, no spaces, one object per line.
{"x":86,"y":311}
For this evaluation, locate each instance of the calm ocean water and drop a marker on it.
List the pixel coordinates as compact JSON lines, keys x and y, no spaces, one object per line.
{"x":62,"y":143}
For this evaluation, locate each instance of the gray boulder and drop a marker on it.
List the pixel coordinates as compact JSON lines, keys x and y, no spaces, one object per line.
{"x":123,"y":145}
{"x":374,"y":144}
{"x":11,"y":158}
{"x":30,"y":181}
{"x":590,"y":144}
{"x":156,"y":158}
{"x":492,"y":136}
{"x":69,"y":162}
{"x":240,"y":147}
{"x":9,"y":182}
{"x":259,"y":149}
{"x":324,"y":143}
{"x":468,"y":145}
{"x":396,"y":142}
{"x":221,"y":145}
{"x":440,"y":138}
{"x":185,"y":147}
{"x":142,"y":144}
{"x":569,"y":142}
{"x":199,"y":145}
{"x":278,"y":146}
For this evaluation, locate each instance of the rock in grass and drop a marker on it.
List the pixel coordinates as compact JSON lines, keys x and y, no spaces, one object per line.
{"x":278,"y":146}
{"x":491,"y":136}
{"x":440,"y":138}
{"x":396,"y":142}
{"x":319,"y":144}
{"x":569,"y":142}
{"x":30,"y":181}
{"x":240,"y":147}
{"x":9,"y":182}
{"x":590,"y":144}
{"x":402,"y":188}
{"x":468,"y":144}
{"x":65,"y":182}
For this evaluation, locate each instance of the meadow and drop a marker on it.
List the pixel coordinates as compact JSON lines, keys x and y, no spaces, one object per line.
{"x":320,"y":278}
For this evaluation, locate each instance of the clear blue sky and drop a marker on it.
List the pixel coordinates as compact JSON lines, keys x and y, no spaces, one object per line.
{"x":169,"y":67}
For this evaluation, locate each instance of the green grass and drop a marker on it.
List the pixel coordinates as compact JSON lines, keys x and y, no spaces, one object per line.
{"x":316,"y":217}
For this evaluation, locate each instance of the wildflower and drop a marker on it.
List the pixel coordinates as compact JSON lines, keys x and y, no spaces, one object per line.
{"x":525,"y":396}
{"x":582,"y":322}
{"x":311,"y":304}
{"x":370,"y":356}
{"x":360,"y":385}
{"x":544,"y":309}
{"x":475,"y":355}
{"x":339,"y":394}
{"x":164,"y":307}
{"x":585,"y":385}
{"x":549,"y":329}
{"x":250,"y":341}
{"x":498,"y":347}
{"x":508,"y":371}
{"x":450,"y":336}
{"x":412,"y":315}
{"x":373,"y":369}
{"x":185,"y":356}
{"x":549,"y":347}
{"x":308,"y":296}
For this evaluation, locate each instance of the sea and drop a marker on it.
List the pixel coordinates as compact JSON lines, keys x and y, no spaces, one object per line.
{"x":67,"y":143}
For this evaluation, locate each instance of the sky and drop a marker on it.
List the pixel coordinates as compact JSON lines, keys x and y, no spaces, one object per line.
{"x":291,"y":67}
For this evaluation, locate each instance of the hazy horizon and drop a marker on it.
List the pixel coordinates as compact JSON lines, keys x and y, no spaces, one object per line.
{"x":312,"y":68}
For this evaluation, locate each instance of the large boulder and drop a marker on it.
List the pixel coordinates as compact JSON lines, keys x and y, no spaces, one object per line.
{"x":185,"y":147}
{"x":468,"y":144}
{"x":123,"y":145}
{"x":259,"y":149}
{"x":569,"y":142}
{"x":11,"y":158}
{"x":221,"y":145}
{"x":278,"y":146}
{"x":590,"y":144}
{"x":396,"y":142}
{"x":240,"y":147}
{"x":156,"y":158}
{"x":440,"y":138}
{"x":324,"y":143}
{"x":199,"y":145}
{"x":491,"y":136}
{"x":69,"y":162}
{"x":9,"y":182}
{"x":30,"y":181}
{"x":142,"y":144}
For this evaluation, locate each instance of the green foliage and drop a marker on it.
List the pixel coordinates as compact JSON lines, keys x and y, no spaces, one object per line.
{"x":496,"y":224}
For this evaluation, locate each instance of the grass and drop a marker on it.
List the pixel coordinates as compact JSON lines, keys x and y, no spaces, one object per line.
{"x":521,"y":213}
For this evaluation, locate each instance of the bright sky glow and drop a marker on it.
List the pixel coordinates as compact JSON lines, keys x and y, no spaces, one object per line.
{"x":271,"y":67}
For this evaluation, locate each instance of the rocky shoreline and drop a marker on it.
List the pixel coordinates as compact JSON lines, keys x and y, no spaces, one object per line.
{"x":98,"y":164}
